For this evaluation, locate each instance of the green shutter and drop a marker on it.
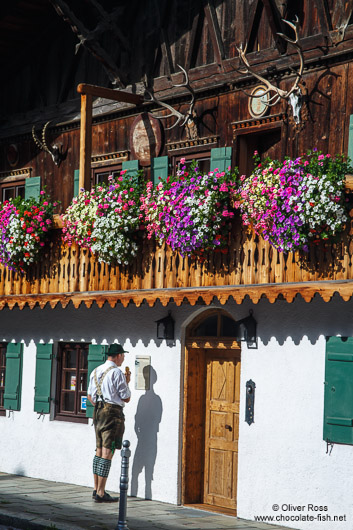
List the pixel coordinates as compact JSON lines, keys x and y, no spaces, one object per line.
{"x":221,"y":158}
{"x":42,"y":387}
{"x":32,"y":188}
{"x":159,"y":168}
{"x":97,"y":354}
{"x":76,"y":182}
{"x":13,"y":376}
{"x":131,"y":166}
{"x":338,"y":407}
{"x":350,"y":137}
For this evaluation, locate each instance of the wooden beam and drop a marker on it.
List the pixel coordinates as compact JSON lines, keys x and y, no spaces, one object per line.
{"x":324,"y":16}
{"x":215,"y":32}
{"x":85,"y":142}
{"x":255,"y":16}
{"x":274,"y":19}
{"x":84,"y":36}
{"x":109,"y":93}
{"x":284,"y":291}
{"x":194,"y":36}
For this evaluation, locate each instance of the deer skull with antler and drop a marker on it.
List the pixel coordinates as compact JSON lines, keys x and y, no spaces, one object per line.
{"x":293,"y":95}
{"x":55,"y":151}
{"x":189,"y":118}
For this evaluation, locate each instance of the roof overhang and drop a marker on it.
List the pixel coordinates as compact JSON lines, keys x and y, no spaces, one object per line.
{"x":206,"y":295}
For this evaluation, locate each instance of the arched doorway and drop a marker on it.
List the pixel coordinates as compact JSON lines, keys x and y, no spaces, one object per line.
{"x":211,"y":412}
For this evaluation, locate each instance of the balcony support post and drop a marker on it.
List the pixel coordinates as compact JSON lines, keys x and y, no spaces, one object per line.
{"x":87,"y":93}
{"x":85,"y":142}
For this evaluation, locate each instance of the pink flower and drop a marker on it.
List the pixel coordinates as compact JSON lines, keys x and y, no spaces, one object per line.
{"x":123,"y":172}
{"x":321,"y":157}
{"x":42,"y":192}
{"x":182,"y":160}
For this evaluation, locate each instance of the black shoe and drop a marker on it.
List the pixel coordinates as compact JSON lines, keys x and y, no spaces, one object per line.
{"x":94,"y":494}
{"x":106,"y":498}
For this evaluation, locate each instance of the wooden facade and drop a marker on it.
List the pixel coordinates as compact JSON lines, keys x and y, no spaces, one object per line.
{"x":201,"y":36}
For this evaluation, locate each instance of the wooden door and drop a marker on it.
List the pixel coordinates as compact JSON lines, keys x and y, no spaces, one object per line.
{"x":221,"y":428}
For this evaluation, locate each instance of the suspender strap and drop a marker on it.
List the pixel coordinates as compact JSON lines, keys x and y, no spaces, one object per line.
{"x":99,"y":384}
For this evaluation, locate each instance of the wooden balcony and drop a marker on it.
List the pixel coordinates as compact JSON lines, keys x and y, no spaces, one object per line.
{"x":251,"y":267}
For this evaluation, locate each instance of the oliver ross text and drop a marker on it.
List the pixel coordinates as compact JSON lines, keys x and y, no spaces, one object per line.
{"x":303,"y":508}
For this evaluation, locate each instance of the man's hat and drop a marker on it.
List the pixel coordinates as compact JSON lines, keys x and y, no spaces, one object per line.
{"x":115,"y":349}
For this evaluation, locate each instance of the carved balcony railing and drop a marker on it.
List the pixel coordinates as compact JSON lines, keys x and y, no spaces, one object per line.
{"x":250,"y":267}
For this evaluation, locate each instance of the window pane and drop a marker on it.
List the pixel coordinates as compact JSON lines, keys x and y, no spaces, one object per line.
{"x":204,"y":165}
{"x":102,"y":178}
{"x":70,"y":380}
{"x":83,"y":382}
{"x":207,"y":328}
{"x":229,"y":328}
{"x":21,"y":191}
{"x":70,"y":357}
{"x":68,"y":402}
{"x":84,"y":359}
{"x":8,"y":193}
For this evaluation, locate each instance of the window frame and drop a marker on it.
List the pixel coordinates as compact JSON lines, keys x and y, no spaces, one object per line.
{"x":189,"y":157}
{"x":109,"y":169}
{"x":3,"y":348}
{"x":59,"y":414}
{"x":5,"y":184}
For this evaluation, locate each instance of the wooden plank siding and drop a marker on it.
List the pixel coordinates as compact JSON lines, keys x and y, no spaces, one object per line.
{"x":326,"y":129}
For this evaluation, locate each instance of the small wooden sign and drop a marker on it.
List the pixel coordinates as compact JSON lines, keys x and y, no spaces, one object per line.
{"x":12,"y":155}
{"x":146,"y":138}
{"x":258,"y":101}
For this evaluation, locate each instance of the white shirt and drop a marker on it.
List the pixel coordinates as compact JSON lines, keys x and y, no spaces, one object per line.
{"x":114,"y":387}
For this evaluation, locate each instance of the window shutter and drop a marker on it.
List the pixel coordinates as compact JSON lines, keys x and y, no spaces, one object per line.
{"x":97,"y":354}
{"x":338,"y":406}
{"x":131,"y":166}
{"x":76,"y":182}
{"x":159,"y":168}
{"x":350,"y":137}
{"x":13,"y":376}
{"x":32,"y":188}
{"x":221,"y":158}
{"x":42,"y":387}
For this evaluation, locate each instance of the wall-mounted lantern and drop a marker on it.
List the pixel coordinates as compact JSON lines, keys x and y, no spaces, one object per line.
{"x":247,"y":330}
{"x":165,"y":327}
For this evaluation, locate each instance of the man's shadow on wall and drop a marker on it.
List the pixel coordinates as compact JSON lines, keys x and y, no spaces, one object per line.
{"x":147,"y":419}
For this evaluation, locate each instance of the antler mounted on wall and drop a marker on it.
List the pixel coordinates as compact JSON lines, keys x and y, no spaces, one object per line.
{"x":56,"y":152}
{"x":189,"y":119}
{"x":294,"y":94}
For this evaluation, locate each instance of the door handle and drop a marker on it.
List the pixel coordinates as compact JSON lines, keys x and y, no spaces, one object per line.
{"x":229,"y":428}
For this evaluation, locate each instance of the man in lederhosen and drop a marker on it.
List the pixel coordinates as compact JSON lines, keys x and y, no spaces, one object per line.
{"x":108,"y":391}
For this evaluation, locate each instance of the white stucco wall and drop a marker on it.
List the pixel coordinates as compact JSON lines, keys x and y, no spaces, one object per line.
{"x":63,"y":451}
{"x":282,"y":456}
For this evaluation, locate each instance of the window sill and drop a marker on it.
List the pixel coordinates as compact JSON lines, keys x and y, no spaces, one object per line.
{"x":71,"y":419}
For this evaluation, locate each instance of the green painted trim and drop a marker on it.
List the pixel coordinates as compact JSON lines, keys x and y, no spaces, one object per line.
{"x":32,"y":188}
{"x":76,"y":182}
{"x":13,"y":376}
{"x":159,"y":169}
{"x":42,"y":388}
{"x":221,"y":158}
